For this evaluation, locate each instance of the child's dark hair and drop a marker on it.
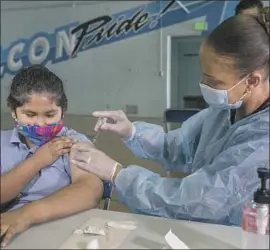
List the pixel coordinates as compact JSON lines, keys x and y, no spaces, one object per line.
{"x":36,"y":79}
{"x":248,"y":4}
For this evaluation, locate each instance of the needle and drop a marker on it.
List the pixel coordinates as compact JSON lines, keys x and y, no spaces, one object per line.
{"x":95,"y":138}
{"x":101,"y":121}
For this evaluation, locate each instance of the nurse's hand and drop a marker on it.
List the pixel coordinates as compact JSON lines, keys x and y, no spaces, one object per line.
{"x":122,"y":126}
{"x":85,"y":156}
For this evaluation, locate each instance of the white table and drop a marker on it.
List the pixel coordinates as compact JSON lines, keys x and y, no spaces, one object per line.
{"x":149,"y":234}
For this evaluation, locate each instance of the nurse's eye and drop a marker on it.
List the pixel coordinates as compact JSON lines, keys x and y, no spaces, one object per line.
{"x":213,"y":83}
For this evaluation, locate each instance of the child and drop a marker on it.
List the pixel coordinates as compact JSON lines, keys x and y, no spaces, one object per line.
{"x":37,"y":182}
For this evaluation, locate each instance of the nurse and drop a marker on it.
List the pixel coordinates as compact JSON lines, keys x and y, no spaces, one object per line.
{"x":221,"y":147}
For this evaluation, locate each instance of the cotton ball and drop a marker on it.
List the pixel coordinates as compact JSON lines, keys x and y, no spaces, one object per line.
{"x":93,"y":244}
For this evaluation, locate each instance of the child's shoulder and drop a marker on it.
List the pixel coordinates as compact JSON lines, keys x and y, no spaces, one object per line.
{"x":73,"y":134}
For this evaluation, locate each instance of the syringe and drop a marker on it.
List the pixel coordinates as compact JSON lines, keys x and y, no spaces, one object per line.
{"x":100,"y":122}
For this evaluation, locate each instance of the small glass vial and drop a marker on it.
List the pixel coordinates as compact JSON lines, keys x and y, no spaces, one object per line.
{"x":255,"y":221}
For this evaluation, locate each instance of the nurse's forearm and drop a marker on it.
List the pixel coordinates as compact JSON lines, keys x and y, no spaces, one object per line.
{"x":147,"y":141}
{"x":15,"y":180}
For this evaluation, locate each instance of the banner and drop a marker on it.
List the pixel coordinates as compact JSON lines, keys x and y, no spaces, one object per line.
{"x":68,"y":41}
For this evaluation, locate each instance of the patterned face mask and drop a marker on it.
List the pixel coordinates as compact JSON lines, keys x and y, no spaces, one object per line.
{"x":39,"y":135}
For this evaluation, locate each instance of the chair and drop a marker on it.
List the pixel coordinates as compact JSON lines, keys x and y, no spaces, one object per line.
{"x":107,"y":194}
{"x":177,"y":116}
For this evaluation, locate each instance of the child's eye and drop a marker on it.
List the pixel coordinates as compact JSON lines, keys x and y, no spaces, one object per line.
{"x":30,"y":115}
{"x":50,"y":116}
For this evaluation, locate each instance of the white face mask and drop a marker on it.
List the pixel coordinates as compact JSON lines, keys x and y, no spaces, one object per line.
{"x":219,"y":98}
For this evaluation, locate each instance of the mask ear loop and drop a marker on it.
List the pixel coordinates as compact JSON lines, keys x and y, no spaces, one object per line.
{"x":245,"y":78}
{"x":247,"y":92}
{"x":14,"y":116}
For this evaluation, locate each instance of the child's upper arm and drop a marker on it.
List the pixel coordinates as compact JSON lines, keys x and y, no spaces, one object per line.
{"x":72,"y":170}
{"x":77,"y":174}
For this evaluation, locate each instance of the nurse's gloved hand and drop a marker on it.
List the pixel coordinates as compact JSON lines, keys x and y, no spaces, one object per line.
{"x":85,"y":156}
{"x":120,"y":125}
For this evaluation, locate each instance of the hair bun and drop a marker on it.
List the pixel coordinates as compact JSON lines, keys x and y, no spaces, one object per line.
{"x":264,"y":19}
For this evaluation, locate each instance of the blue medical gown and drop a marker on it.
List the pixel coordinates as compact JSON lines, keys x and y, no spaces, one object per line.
{"x":222,"y":158}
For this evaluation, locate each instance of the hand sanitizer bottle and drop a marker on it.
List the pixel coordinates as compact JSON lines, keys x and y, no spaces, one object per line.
{"x":255,"y":221}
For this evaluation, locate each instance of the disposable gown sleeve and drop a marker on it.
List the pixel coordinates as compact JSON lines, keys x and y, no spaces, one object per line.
{"x":214,"y":194}
{"x":174,"y":150}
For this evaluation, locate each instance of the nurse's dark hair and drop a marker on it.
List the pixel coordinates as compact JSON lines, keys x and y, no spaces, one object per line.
{"x":36,"y":79}
{"x":245,"y":39}
{"x":248,"y":4}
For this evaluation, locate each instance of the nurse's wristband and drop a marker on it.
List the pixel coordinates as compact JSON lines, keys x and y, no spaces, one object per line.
{"x":116,"y":169}
{"x":130,"y":138}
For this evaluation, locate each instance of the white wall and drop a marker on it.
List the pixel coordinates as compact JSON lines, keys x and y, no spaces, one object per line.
{"x":126,"y":72}
{"x":121,"y":73}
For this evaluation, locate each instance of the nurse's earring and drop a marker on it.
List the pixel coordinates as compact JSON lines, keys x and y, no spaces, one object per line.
{"x":248,"y":90}
{"x":246,"y":93}
{"x":251,"y":83}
